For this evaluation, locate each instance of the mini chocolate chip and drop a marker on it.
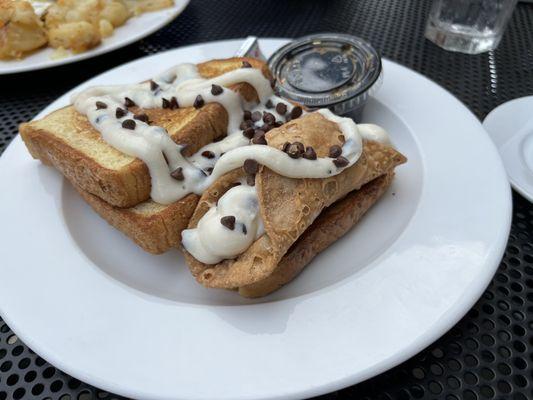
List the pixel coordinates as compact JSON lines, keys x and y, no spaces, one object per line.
{"x":249,"y":132}
{"x":310,"y":153}
{"x":100,"y":105}
{"x":250,"y":180}
{"x":246,"y":64}
{"x":246,"y":124}
{"x":199,"y":102}
{"x":295,"y":150}
{"x":153,"y":86}
{"x":266,"y":127}
{"x":218,"y":139}
{"x":120,"y":112}
{"x":286,"y":146}
{"x":251,"y":166}
{"x":178,"y":174}
{"x":256,"y":116}
{"x":174,"y":103}
{"x":141,"y":117}
{"x":259,"y":137}
{"x":335,"y":151}
{"x":244,"y":230}
{"x":165,"y":103}
{"x":269,"y":104}
{"x":341,"y":162}
{"x":216,"y":90}
{"x":296,"y":112}
{"x":277,"y":124}
{"x":273,"y":83}
{"x":281,"y":109}
{"x":228,"y":221}
{"x":208,"y":154}
{"x":268,"y":118}
{"x":247,"y":115}
{"x":128,"y":124}
{"x":209,"y":170}
{"x":129,"y":102}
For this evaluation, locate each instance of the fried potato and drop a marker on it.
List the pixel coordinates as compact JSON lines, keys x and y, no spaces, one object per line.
{"x":21,"y":31}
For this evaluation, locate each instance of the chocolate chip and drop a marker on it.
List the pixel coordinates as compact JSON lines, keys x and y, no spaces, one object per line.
{"x":246,"y":124}
{"x":295,"y":150}
{"x":268,"y":118}
{"x":341,"y":162}
{"x":141,"y":117}
{"x":251,"y":166}
{"x":310,"y":153}
{"x":174,"y":103}
{"x":178,"y":174}
{"x":281,"y":109}
{"x":335,"y":151}
{"x":216,"y":90}
{"x":128,"y":124}
{"x":208,"y":154}
{"x":247,"y":115}
{"x":249,"y":132}
{"x":250,"y":180}
{"x":165,"y":103}
{"x":296,"y":112}
{"x":199,"y":102}
{"x":256,"y":116}
{"x":228,"y":221}
{"x":273,"y":83}
{"x":244,"y":230}
{"x":100,"y":105}
{"x":209,"y":170}
{"x":269,"y":104}
{"x":259,"y":137}
{"x":153,"y":86}
{"x":285,"y":147}
{"x":129,"y":102}
{"x":266,"y":127}
{"x":120,"y":112}
{"x":246,"y":64}
{"x":277,"y":124}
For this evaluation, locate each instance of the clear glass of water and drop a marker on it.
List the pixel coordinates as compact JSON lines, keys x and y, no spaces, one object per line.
{"x":468,"y":26}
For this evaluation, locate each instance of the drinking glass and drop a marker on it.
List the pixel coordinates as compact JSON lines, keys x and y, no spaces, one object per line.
{"x":468,"y":26}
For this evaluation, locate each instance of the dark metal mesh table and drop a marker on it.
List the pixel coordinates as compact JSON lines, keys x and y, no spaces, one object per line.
{"x":489,"y":353}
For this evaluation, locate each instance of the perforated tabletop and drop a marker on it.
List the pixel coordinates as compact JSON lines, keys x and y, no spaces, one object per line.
{"x":489,"y":353}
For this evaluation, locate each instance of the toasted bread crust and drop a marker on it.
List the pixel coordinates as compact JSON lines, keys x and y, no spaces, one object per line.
{"x":154,"y":227}
{"x":119,"y":179}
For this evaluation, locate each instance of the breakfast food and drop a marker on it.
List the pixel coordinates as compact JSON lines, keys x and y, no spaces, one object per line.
{"x":118,"y":185}
{"x":249,"y":219}
{"x":21,"y":31}
{"x":261,"y":184}
{"x":74,"y":25}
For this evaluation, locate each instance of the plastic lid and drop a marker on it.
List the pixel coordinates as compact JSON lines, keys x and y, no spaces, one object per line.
{"x":326,"y":69}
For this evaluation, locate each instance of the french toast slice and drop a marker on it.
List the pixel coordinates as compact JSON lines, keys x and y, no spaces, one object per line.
{"x":66,"y":139}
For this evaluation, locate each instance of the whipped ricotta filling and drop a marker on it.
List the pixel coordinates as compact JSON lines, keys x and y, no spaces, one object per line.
{"x":228,"y":228}
{"x":173,"y":176}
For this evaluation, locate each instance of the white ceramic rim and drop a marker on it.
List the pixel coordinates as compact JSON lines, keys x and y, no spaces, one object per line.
{"x":109,"y":44}
{"x":468,"y":141}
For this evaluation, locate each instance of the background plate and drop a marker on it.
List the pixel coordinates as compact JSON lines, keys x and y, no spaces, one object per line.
{"x":134,"y":29}
{"x":138,"y":325}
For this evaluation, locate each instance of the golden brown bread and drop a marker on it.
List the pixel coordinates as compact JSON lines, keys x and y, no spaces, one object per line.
{"x":75,"y":148}
{"x":288,"y":206}
{"x":331,"y":225}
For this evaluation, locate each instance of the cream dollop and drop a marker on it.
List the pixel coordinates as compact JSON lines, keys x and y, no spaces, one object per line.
{"x":213,"y":241}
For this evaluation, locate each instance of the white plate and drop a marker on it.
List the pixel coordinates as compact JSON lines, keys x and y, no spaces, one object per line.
{"x":134,"y":29}
{"x":510,"y":126}
{"x":93,"y":304}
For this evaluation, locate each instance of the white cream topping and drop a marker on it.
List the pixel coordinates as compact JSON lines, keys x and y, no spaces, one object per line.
{"x":152,"y":144}
{"x":212,"y":241}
